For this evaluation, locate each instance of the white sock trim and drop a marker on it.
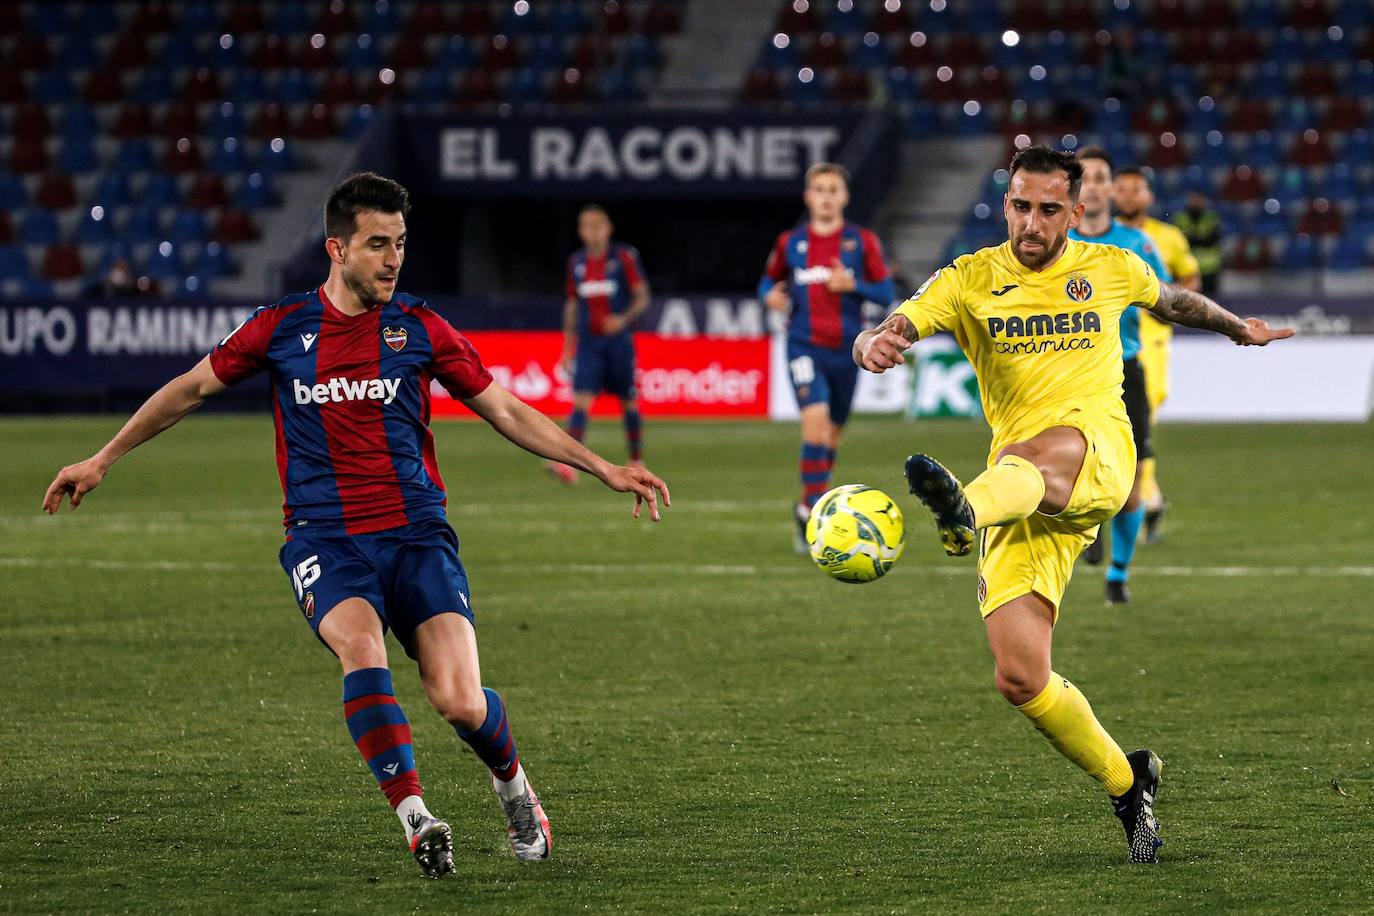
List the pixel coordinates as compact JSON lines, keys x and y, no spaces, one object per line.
{"x":408,"y":809}
{"x":513,"y":787}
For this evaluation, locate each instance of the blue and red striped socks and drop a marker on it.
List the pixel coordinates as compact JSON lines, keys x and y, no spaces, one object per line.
{"x":634,"y":434}
{"x":577,"y":424}
{"x":817,"y":462}
{"x":379,"y":728}
{"x":493,"y":742}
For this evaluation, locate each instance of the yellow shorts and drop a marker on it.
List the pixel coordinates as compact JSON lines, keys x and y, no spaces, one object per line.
{"x":1155,"y":338}
{"x":1037,"y":553}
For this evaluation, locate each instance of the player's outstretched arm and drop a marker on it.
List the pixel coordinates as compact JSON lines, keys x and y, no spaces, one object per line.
{"x":881,"y":348}
{"x":163,"y":410}
{"x":1194,"y":310}
{"x":534,"y":432}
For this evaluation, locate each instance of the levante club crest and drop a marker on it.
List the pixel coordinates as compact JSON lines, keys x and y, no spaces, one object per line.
{"x":1078,"y":288}
{"x":396,"y":337}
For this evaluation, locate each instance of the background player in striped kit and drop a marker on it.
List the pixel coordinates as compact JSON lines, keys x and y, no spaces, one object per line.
{"x":606,"y":292}
{"x":368,"y":546}
{"x":823,"y":272}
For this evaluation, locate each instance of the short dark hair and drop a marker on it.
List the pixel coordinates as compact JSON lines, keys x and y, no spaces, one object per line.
{"x":1095,"y":152}
{"x":826,"y":168}
{"x":359,"y":192}
{"x":593,"y":208}
{"x":1044,"y":160}
{"x":1137,"y":171}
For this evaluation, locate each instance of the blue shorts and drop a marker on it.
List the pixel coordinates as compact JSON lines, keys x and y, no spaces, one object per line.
{"x":605,"y":364}
{"x":821,"y":375}
{"x":407,"y":574}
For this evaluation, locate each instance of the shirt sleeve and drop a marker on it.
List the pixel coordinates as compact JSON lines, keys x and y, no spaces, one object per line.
{"x":454,"y":362}
{"x":1183,"y":263}
{"x":776,"y":268}
{"x":633,"y":267}
{"x":1149,"y":253}
{"x":875,"y":266}
{"x":1142,"y":280}
{"x":570,"y":282}
{"x":935,"y":306}
{"x":243,"y":353}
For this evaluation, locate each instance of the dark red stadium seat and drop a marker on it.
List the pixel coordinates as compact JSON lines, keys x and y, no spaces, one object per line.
{"x":6,"y":228}
{"x":1311,"y":149}
{"x":916,"y":52}
{"x":1242,"y":184}
{"x":1320,"y":218}
{"x":56,"y":191}
{"x":10,"y":20}
{"x":1075,"y":16}
{"x":207,"y":192}
{"x":1212,"y":15}
{"x":31,"y":122}
{"x":472,"y":19}
{"x":377,"y":90}
{"x":179,"y":120}
{"x":235,"y":226}
{"x":960,"y":50}
{"x":103,"y":86}
{"x":129,"y":51}
{"x":478,"y":88}
{"x":614,"y":20}
{"x":1250,"y":254}
{"x":134,"y":120}
{"x":271,"y":53}
{"x":339,"y":89}
{"x":30,"y":52}
{"x":182,"y":155}
{"x":850,"y":86}
{"x":28,"y":157}
{"x":1250,"y":115}
{"x":1308,"y":14}
{"x":315,"y":53}
{"x":408,"y":52}
{"x":946,"y":90}
{"x":760,"y":85}
{"x":62,"y":261}
{"x":317,"y":122}
{"x":825,"y":52}
{"x":1344,"y":113}
{"x":500,"y":54}
{"x":153,"y":16}
{"x":991,"y":85}
{"x":1316,"y":80}
{"x":271,"y":121}
{"x":12,"y":88}
{"x":335,"y":19}
{"x":1192,"y":45}
{"x":890,"y":18}
{"x":1154,"y":118}
{"x":589,"y":53}
{"x":663,"y":18}
{"x":1241,"y":46}
{"x":1167,"y":152}
{"x":569,"y":87}
{"x":243,"y":18}
{"x":796,"y":17}
{"x":1168,"y":15}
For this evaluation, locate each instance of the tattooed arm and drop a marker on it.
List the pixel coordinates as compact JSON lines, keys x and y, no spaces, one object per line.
{"x":1194,"y":310}
{"x":881,"y":348}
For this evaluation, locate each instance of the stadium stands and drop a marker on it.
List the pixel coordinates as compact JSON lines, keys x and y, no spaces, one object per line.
{"x":153,"y":131}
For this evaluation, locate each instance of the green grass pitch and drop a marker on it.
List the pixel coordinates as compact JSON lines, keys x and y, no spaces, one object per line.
{"x":712,"y":724}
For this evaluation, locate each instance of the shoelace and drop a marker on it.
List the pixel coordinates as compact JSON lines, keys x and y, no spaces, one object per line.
{"x":520,"y":815}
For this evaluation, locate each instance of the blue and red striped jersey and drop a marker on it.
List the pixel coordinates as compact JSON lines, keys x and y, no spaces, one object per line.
{"x":351,"y":405}
{"x":806,"y":260}
{"x":601,"y":284}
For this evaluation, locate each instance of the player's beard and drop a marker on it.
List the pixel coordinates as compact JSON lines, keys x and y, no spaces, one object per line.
{"x":1128,"y":215}
{"x":369,"y":291}
{"x":1049,"y":252}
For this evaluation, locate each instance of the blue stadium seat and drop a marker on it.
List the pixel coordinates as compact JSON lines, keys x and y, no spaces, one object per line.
{"x":97,"y":225}
{"x":36,"y":288}
{"x":78,"y":121}
{"x":226,"y":121}
{"x":112,"y":190}
{"x":290,"y":19}
{"x":433,"y":85}
{"x":198,"y":17}
{"x":1268,"y":82}
{"x":1263,"y":151}
{"x":357,"y":122}
{"x":568,"y":19}
{"x":456,"y":54}
{"x":900,"y":86}
{"x":293,"y":87}
{"x":39,"y":227}
{"x":547,"y":54}
{"x":52,"y":87}
{"x":1351,"y":251}
{"x":142,"y":225}
{"x":362,"y":53}
{"x":189,"y":226}
{"x":1358,"y":148}
{"x":870,"y":53}
{"x":380,"y":20}
{"x":1287,"y":48}
{"x":1271,"y":221}
{"x":1214,"y":151}
{"x":14,"y":264}
{"x":98,"y":19}
{"x":804,"y":88}
{"x":154,"y":87}
{"x":13,"y":194}
{"x":844,"y":21}
{"x":255,"y":192}
{"x":225,"y":52}
{"x":1339,"y":184}
{"x":922,"y":121}
{"x":1295,"y":115}
{"x":779,"y":52}
{"x":160,"y":190}
{"x":165,"y":261}
{"x":519,"y":20}
{"x":1301,"y":253}
{"x":49,"y":19}
{"x":247,"y":87}
{"x":191,"y":286}
{"x":638,"y":53}
{"x":212,"y":261}
{"x":1261,"y":15}
{"x":277,"y":156}
{"x":1205,"y":116}
{"x":1292,"y":187}
{"x":229,"y":157}
{"x":78,"y":156}
{"x":1353,"y":16}
{"x":77,"y":53}
{"x":524,"y":85}
{"x":181,"y":51}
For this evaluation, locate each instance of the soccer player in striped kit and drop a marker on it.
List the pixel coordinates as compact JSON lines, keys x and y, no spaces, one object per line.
{"x":822,"y":273}
{"x":368,"y":545}
{"x":606,"y":292}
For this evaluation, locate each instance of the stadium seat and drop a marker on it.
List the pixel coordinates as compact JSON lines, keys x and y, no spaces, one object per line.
{"x":1250,"y":254}
{"x":207,"y":191}
{"x":335,"y":18}
{"x":213,"y":261}
{"x":524,"y":85}
{"x":78,"y":121}
{"x":760,"y":85}
{"x":1320,"y":219}
{"x":569,"y":87}
{"x":165,"y":261}
{"x":1263,"y":151}
{"x":362,"y":52}
{"x":235,"y":226}
{"x":14,"y":264}
{"x":6,"y":228}
{"x":436,"y":85}
{"x":568,"y":19}
{"x":52,"y":87}
{"x":142,"y":225}
{"x":62,"y":261}
{"x":805,"y":88}
{"x":292,"y":87}
{"x":1351,"y":252}
{"x":255,"y":192}
{"x":78,"y":156}
{"x":28,"y":157}
{"x":55,"y":192}
{"x":357,"y":122}
{"x":1243,"y":184}
{"x":29,"y":53}
{"x":31,"y":287}
{"x":179,"y":119}
{"x":455,"y":54}
{"x":247,"y":87}
{"x":851,"y":86}
{"x":519,"y":21}
{"x":96,"y":226}
{"x":1301,"y":253}
{"x":154,"y":86}
{"x":181,"y":155}
{"x":112,"y":190}
{"x":1310,"y":149}
{"x":188,"y":226}
{"x":31,"y":122}
{"x":39,"y":226}
{"x":825,"y":52}
{"x":202,"y":86}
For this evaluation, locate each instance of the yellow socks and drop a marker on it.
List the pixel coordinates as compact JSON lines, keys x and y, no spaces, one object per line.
{"x":1008,"y":491}
{"x":1062,"y":715}
{"x":1149,"y":486}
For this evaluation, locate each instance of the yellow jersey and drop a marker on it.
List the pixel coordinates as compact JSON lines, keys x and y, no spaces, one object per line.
{"x":1041,"y":343}
{"x":1178,"y":259}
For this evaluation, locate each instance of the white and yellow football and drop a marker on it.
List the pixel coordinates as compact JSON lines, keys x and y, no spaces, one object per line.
{"x":855,"y":533}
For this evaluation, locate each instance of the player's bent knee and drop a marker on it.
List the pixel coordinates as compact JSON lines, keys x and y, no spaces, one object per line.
{"x":1017,"y":684}
{"x":463,"y":707}
{"x":358,"y":650}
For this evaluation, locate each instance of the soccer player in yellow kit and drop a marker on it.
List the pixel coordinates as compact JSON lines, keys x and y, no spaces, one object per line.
{"x":1038,"y":318}
{"x":1133,"y":197}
